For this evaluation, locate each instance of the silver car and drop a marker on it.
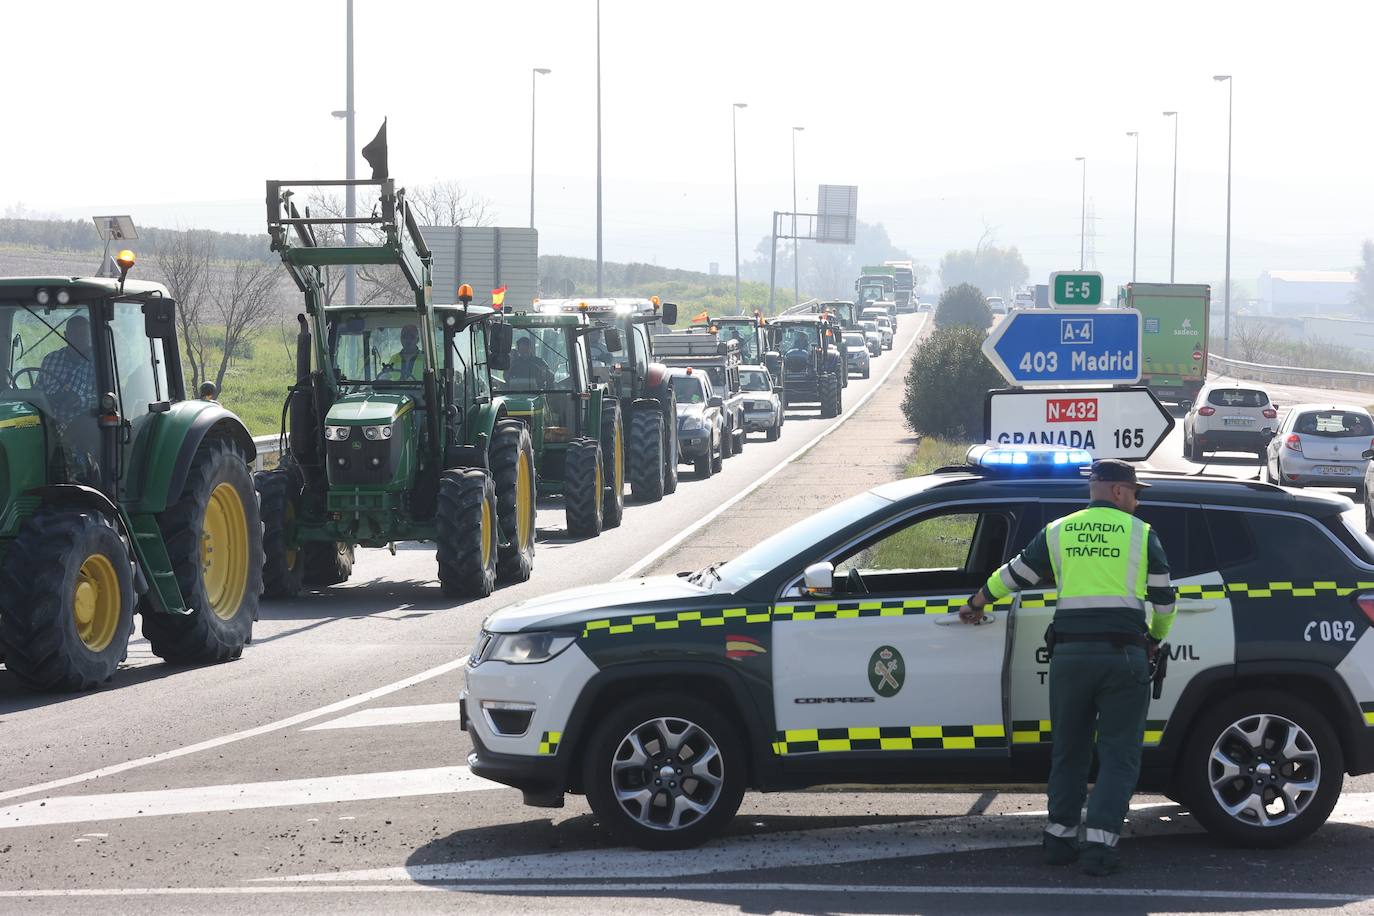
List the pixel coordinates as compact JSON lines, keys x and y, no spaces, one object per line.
{"x":858,"y":357}
{"x":762,"y":402}
{"x":1321,"y":445}
{"x":873,"y":336}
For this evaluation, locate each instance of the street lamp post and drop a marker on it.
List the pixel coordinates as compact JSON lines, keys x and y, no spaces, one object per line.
{"x":734,"y":157}
{"x":796,"y":270}
{"x":1083,"y":216}
{"x":1226,"y":326}
{"x":1173,"y":219}
{"x":350,"y":194}
{"x":534,"y":77}
{"x":1135,"y":210}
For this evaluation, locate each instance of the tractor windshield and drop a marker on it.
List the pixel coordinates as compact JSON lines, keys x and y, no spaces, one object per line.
{"x":748,"y":347}
{"x":539,"y":361}
{"x":799,"y":337}
{"x":377,"y":349}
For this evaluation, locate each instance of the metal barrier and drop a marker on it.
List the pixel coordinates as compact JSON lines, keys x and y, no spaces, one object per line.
{"x":1293,"y":375}
{"x":268,"y":447}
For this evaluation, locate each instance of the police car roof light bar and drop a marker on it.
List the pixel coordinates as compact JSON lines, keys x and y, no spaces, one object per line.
{"x":1031,"y":460}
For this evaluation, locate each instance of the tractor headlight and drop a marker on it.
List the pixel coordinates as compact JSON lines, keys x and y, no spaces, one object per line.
{"x":376,"y":433}
{"x":526,"y":648}
{"x":336,"y":433}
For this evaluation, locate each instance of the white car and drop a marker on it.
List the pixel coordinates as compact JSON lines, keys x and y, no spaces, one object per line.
{"x":1229,"y":418}
{"x":873,"y":336}
{"x":1321,"y":445}
{"x":886,"y":326}
{"x":997,"y":304}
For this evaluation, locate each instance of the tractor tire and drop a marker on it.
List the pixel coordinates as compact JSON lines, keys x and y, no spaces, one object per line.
{"x":830,"y":396}
{"x":512,"y":464}
{"x":613,"y":459}
{"x":774,"y":431}
{"x":327,"y":562}
{"x":466,"y":539}
{"x":68,"y":605}
{"x":718,"y":459}
{"x":213,"y":534}
{"x":283,"y":568}
{"x":647,"y":441}
{"x":727,"y":441}
{"x":582,"y":485}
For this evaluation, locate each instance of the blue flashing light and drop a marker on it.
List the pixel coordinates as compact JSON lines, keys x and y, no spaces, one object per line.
{"x":1029,"y":459}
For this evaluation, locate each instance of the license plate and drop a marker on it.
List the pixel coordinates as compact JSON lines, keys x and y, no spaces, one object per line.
{"x":1335,"y":470}
{"x":1238,"y":421}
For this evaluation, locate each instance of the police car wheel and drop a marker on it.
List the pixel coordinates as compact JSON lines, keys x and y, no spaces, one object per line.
{"x":664,"y":772}
{"x":1263,"y":769}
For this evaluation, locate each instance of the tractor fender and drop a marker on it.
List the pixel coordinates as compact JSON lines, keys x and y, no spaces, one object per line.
{"x":173,"y":444}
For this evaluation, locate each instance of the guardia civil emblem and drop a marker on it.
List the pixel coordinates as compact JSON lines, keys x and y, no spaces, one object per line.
{"x":886,"y":671}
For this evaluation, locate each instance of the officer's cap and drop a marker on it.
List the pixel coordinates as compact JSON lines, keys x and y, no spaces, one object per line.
{"x":1114,"y":470}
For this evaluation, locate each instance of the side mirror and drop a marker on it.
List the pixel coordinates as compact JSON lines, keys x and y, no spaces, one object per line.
{"x":777,"y":389}
{"x":668,"y":312}
{"x":818,"y":579}
{"x":159,"y":322}
{"x":612,"y":338}
{"x":715,"y":401}
{"x":1273,"y":405}
{"x":499,"y":337}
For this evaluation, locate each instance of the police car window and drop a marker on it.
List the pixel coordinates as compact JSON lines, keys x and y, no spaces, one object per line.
{"x":1294,"y":547}
{"x":1231,"y":539}
{"x":948,"y":550}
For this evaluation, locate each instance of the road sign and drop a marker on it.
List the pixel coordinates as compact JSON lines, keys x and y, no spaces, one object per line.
{"x":1075,"y":289}
{"x":1099,"y":347}
{"x":1127,"y":423}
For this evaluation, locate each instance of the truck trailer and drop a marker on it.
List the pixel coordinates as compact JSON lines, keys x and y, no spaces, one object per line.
{"x":1174,"y":337}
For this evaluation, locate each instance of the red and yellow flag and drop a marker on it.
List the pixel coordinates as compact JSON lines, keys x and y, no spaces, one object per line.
{"x":498,"y":296}
{"x":702,"y":318}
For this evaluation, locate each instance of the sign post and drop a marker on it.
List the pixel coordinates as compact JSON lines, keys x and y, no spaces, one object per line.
{"x":1126,"y":423}
{"x":1086,"y":347}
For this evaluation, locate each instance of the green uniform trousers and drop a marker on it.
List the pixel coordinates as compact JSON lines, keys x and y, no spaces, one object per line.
{"x":1103,"y":689}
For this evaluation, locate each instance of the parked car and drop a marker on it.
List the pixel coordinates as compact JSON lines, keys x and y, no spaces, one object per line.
{"x":858,"y":357}
{"x":1321,"y":445}
{"x":1229,"y":418}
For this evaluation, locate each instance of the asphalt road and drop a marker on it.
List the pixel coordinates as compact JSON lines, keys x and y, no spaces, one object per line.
{"x":324,"y":771}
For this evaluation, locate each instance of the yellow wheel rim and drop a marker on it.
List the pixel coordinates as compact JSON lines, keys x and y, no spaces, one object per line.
{"x":487,"y":539}
{"x":224,"y":551}
{"x":95,"y":602}
{"x":619,"y":482}
{"x":524,"y":502}
{"x":600,"y":484}
{"x":292,"y":554}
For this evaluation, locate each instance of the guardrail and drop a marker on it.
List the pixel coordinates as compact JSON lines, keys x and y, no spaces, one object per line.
{"x":268,"y":447}
{"x":1293,"y":375}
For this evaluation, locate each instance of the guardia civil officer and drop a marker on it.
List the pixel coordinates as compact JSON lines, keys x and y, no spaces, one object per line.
{"x":1106,"y":564}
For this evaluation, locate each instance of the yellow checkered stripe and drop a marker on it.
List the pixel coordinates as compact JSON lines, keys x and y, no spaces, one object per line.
{"x":674,"y":620}
{"x":548,"y":744}
{"x":889,"y":738}
{"x":1038,"y":731}
{"x":1367,"y":710}
{"x":1292,"y":589}
{"x":856,"y":610}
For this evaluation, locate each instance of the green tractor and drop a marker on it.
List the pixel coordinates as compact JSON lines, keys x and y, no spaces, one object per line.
{"x":648,"y":411}
{"x":392,"y":432}
{"x":117,"y":494}
{"x":574,"y":419}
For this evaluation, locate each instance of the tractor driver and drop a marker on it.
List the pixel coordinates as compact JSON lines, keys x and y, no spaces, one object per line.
{"x":67,"y":376}
{"x":528,"y":372}
{"x":406,"y":364}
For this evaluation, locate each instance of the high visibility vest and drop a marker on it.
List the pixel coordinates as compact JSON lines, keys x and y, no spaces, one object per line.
{"x":1099,"y":559}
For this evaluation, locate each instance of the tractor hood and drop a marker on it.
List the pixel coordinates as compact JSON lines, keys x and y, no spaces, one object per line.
{"x":22,"y":459}
{"x":364,"y":408}
{"x":572,"y":608}
{"x":18,"y":415}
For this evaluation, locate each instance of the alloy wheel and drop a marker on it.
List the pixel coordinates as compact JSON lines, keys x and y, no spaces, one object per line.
{"x":1264,"y":770}
{"x":667,"y":773}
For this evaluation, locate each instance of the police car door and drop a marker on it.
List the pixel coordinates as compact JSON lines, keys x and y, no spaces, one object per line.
{"x":883,"y":663}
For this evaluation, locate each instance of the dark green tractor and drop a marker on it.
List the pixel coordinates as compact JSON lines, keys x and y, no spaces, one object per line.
{"x":392,"y":432}
{"x":812,"y":363}
{"x":117,"y":494}
{"x":574,"y":419}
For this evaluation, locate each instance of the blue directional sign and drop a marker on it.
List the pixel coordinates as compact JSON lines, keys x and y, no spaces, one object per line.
{"x":1099,"y":347}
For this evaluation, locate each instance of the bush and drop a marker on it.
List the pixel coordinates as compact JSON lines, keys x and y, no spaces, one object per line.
{"x":963,"y":305}
{"x":947,"y":382}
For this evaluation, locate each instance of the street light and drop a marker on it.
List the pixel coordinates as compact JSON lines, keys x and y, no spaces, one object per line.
{"x":796,"y":271}
{"x":1226,"y":327}
{"x":1173,"y":219}
{"x":734,"y":154}
{"x":1083,"y":216}
{"x":1135,"y":217}
{"x":534,"y":76}
{"x":350,"y":194}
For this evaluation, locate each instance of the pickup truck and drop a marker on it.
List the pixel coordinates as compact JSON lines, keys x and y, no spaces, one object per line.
{"x":719,"y":360}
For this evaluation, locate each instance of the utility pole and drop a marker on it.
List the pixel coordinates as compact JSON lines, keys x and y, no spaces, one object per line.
{"x":1173,"y":219}
{"x":796,"y":270}
{"x":599,"y":265}
{"x":1226,"y":326}
{"x":1135,"y":211}
{"x":350,"y":193}
{"x":1083,"y":215}
{"x":734,"y":158}
{"x":534,"y":77}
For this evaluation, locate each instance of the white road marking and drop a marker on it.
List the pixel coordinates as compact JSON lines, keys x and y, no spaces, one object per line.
{"x":391,"y":715}
{"x":715,"y":513}
{"x":74,"y":809}
{"x":692,"y":887}
{"x":222,"y":740}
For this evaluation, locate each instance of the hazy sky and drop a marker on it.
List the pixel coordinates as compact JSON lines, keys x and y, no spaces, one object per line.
{"x":947,"y":115}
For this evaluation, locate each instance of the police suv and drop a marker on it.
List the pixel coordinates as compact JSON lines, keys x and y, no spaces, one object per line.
{"x":832,"y":653}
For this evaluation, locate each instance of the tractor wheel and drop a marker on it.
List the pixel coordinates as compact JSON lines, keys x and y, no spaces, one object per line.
{"x":467,"y":520}
{"x":582,"y":486}
{"x":646,"y":455}
{"x":830,"y":396}
{"x":613,"y":457}
{"x":68,"y":605}
{"x":283,"y":567}
{"x":727,"y":439}
{"x":327,"y":562}
{"x":512,"y":463}
{"x":670,"y":455}
{"x":213,"y":534}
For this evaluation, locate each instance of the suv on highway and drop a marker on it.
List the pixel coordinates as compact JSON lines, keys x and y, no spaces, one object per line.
{"x":701,"y":423}
{"x":1230,"y":418}
{"x":831,"y":653}
{"x":856,"y":352}
{"x":763,"y":411}
{"x":1321,"y":445}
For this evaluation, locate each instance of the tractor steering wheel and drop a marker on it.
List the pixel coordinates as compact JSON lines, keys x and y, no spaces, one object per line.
{"x":14,"y":376}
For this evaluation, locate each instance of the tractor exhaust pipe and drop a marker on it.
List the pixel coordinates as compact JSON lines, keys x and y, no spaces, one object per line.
{"x":305,"y":447}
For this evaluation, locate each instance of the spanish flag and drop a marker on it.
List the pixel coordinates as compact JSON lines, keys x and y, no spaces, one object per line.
{"x":702,"y":318}
{"x":498,"y":296}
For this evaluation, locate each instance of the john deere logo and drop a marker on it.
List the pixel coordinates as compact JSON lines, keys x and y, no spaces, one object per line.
{"x":886,"y":671}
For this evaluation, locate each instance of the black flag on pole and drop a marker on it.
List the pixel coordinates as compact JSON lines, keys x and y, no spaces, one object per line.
{"x":375,"y":153}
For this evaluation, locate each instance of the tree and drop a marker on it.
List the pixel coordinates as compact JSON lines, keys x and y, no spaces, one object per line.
{"x":963,"y":305}
{"x":1364,"y":276}
{"x":448,"y":203}
{"x":243,"y":305}
{"x":947,"y":382}
{"x":1255,"y":338}
{"x":998,"y":270}
{"x":182,"y":263}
